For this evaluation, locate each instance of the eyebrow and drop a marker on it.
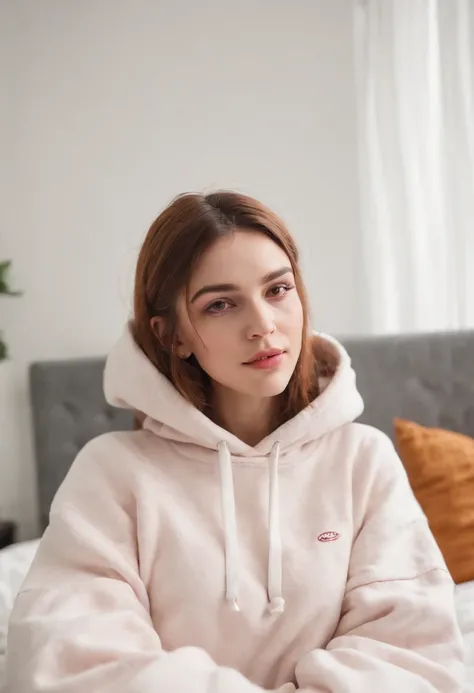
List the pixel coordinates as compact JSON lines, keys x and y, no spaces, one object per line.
{"x":217,"y":288}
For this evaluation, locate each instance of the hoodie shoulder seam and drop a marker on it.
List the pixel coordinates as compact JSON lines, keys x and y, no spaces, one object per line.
{"x":416,"y":576}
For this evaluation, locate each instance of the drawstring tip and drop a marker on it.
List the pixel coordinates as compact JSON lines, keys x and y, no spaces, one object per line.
{"x":233,"y":605}
{"x":277,"y":605}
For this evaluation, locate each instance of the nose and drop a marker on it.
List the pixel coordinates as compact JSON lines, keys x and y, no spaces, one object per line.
{"x":261,"y":321}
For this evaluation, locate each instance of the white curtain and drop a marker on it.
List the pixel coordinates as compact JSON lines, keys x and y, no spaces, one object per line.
{"x":415,"y":80}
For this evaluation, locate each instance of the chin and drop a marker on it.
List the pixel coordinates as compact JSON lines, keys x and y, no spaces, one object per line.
{"x":271,"y":386}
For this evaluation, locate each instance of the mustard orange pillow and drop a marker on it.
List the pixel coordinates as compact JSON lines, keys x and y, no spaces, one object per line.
{"x":440,"y":467}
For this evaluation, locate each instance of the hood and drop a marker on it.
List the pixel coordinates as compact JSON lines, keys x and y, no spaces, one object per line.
{"x":131,"y":381}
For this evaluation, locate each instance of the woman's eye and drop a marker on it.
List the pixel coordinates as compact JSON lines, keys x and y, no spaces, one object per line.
{"x":217,"y":307}
{"x":280,"y":290}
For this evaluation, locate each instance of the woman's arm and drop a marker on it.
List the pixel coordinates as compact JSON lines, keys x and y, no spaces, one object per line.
{"x":398,"y":630}
{"x":81,"y":623}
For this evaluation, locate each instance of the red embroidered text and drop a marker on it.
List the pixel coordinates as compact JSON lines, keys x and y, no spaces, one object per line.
{"x":328,"y":536}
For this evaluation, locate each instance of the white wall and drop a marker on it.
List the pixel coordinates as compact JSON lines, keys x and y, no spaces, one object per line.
{"x":110,"y":108}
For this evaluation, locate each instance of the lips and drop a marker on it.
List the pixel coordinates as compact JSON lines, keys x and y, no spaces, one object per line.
{"x":262,"y":355}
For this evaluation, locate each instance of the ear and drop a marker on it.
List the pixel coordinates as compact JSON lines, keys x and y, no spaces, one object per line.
{"x":158,"y":326}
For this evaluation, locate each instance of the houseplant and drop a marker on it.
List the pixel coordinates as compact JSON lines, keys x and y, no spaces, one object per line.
{"x":5,"y":290}
{"x":5,"y":382}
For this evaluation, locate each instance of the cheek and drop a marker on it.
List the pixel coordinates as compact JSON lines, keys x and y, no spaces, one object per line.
{"x":218,"y":360}
{"x":203,"y":335}
{"x":213,"y":344}
{"x":293,"y":314}
{"x":212,"y":341}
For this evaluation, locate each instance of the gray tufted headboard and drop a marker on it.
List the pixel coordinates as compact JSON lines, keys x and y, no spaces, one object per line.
{"x":69,"y":409}
{"x":425,"y":378}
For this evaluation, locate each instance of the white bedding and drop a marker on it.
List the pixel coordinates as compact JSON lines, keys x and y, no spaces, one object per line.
{"x":465,"y":613}
{"x":16,"y":560}
{"x":14,"y":564}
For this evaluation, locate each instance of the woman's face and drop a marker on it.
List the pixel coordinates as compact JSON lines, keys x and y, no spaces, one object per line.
{"x":243,"y":305}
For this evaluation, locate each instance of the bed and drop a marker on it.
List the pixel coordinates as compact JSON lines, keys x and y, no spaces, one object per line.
{"x":424,"y":378}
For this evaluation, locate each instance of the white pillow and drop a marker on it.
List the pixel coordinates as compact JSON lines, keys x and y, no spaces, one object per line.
{"x":15,"y":562}
{"x":464,"y":598}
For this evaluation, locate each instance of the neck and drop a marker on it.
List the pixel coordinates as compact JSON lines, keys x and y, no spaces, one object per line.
{"x":248,"y":418}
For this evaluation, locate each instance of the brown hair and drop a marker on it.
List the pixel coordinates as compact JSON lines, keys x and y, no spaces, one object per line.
{"x":174,"y":243}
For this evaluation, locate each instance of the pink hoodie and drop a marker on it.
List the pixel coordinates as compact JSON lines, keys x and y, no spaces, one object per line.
{"x":181,"y":560}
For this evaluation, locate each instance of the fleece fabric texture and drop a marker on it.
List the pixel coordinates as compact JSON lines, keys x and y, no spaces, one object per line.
{"x":179,"y":559}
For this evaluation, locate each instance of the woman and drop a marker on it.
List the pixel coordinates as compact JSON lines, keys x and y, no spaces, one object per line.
{"x":250,"y":536}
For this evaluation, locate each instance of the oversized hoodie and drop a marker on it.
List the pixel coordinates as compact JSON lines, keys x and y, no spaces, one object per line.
{"x":179,"y":559}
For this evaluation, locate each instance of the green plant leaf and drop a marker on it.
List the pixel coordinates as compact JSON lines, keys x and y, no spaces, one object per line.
{"x":4,"y":279}
{"x":3,"y":350}
{"x":5,"y":290}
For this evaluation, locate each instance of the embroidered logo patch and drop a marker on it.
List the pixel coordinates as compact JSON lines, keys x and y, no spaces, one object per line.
{"x":328,"y":536}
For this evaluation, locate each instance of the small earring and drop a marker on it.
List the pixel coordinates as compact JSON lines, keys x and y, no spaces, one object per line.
{"x":185,"y":357}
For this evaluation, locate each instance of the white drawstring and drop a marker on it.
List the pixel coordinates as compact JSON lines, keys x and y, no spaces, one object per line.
{"x":230,"y":529}
{"x":276,"y":601}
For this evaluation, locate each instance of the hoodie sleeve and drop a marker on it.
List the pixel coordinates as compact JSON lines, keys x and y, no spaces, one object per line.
{"x":82,"y":619}
{"x":398,"y":630}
